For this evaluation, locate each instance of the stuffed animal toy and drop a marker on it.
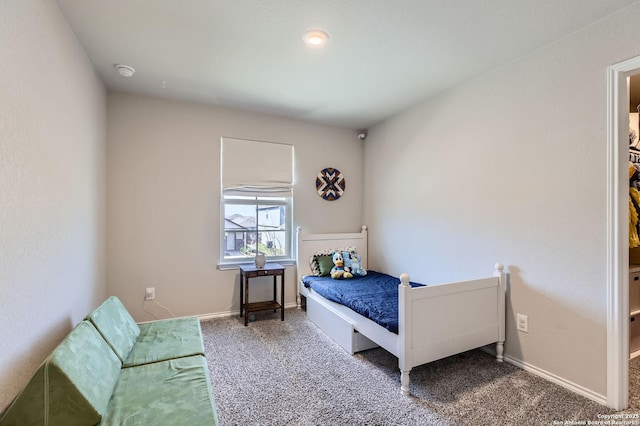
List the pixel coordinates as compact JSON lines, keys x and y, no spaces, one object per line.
{"x":356,"y":267}
{"x":348,"y":261}
{"x":352,"y":264}
{"x":338,"y":272}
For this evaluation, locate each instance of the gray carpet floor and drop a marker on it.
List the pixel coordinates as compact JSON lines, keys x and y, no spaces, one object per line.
{"x":291,"y":373}
{"x":634,"y":384}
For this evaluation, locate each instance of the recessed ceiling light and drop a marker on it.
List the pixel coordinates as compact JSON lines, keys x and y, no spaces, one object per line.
{"x":315,"y":38}
{"x":125,"y":70}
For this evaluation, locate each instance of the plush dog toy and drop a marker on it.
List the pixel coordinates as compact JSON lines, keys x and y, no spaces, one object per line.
{"x":353,"y":265}
{"x":338,"y":272}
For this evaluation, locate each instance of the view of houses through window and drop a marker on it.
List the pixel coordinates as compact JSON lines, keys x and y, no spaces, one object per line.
{"x":255,"y":224}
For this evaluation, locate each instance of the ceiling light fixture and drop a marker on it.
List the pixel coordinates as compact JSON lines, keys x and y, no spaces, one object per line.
{"x":315,"y":38}
{"x":125,"y":70}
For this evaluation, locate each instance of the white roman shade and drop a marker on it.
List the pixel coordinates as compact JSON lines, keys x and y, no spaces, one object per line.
{"x":256,"y":168}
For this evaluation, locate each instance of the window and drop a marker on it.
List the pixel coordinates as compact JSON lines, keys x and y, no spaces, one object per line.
{"x":257,"y":200}
{"x":254,"y":224}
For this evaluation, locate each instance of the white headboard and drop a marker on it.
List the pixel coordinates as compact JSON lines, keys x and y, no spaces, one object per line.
{"x":311,"y":243}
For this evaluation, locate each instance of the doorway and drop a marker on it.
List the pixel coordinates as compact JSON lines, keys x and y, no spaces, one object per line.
{"x":634,"y":243}
{"x":618,"y":231}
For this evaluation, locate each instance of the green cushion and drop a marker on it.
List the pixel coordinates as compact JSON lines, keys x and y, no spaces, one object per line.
{"x":325,"y":263}
{"x":73,"y":386}
{"x":166,"y":339}
{"x":116,"y":326}
{"x":28,"y":407}
{"x":175,"y":392}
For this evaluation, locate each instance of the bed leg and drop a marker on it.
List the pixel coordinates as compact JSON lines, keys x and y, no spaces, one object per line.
{"x":500,"y":351}
{"x":404,"y":381}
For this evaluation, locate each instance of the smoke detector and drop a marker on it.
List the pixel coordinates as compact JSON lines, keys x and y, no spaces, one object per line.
{"x":125,"y":70}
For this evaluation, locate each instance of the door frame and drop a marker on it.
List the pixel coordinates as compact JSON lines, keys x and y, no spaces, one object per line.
{"x":617,"y":270}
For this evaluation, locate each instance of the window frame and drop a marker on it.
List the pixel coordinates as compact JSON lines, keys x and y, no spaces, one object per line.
{"x":228,"y":262}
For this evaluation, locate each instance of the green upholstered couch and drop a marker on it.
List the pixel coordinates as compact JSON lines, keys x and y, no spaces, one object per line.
{"x":111,"y":371}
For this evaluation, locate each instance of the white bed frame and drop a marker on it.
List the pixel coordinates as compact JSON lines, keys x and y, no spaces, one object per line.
{"x":434,"y":321}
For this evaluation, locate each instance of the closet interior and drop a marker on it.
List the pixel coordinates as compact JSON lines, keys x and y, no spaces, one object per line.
{"x":634,"y":216}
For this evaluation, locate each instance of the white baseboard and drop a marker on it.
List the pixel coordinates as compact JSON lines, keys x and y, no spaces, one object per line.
{"x":204,"y":317}
{"x":573,"y":387}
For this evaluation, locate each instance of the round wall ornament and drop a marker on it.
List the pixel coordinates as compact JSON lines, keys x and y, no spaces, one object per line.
{"x":330,"y":184}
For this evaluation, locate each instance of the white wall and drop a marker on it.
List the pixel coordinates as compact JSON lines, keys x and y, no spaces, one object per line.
{"x":52,"y":165}
{"x":511,"y":167}
{"x":163,"y":199}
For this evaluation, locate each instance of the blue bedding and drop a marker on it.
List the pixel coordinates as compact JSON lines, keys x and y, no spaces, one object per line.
{"x":374,"y":296}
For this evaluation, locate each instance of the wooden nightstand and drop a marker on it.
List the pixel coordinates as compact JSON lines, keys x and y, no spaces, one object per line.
{"x":250,"y":271}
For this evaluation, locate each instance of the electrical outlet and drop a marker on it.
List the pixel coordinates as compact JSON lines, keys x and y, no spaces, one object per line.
{"x":149,"y":293}
{"x":523,"y":323}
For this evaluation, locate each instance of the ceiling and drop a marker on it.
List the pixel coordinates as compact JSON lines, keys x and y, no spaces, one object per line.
{"x":382,"y":56}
